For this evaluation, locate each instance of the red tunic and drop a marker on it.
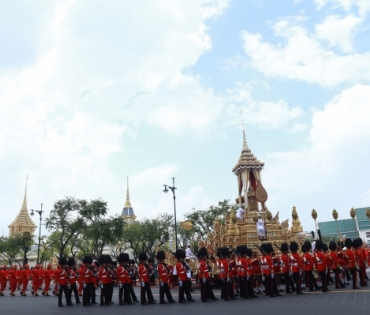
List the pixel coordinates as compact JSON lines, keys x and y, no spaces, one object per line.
{"x":61,"y":276}
{"x":285,"y":266}
{"x":123,"y":275}
{"x":223,"y":267}
{"x":203,"y":269}
{"x":267,"y":265}
{"x":72,"y":276}
{"x":295,"y":262}
{"x":163,"y":272}
{"x":181,"y":271}
{"x":308,"y":261}
{"x":143,"y":273}
{"x":350,"y":257}
{"x":333,"y":258}
{"x":242,"y":267}
{"x":256,"y":266}
{"x":320,"y":261}
{"x":276,"y":263}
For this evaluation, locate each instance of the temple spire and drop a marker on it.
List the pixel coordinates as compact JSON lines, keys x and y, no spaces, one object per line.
{"x":128,"y":203}
{"x":24,"y":205}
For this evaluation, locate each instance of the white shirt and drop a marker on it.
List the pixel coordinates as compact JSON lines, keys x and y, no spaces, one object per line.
{"x":240,"y":213}
{"x":260,"y":224}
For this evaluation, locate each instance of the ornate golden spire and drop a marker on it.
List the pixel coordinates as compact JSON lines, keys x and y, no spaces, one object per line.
{"x":247,"y":160}
{"x":128,"y":203}
{"x":23,"y":222}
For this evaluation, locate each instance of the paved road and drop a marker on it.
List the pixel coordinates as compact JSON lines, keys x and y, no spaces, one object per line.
{"x":343,"y":301}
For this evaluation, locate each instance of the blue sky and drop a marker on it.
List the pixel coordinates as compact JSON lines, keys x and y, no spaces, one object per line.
{"x":92,"y":93}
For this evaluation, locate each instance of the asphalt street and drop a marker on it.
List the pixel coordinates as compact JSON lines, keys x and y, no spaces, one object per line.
{"x":338,"y":302}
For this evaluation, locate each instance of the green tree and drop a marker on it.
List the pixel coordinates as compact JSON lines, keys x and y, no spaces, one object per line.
{"x":203,"y":220}
{"x":148,"y":235}
{"x":66,"y":219}
{"x":14,"y":246}
{"x":99,"y":230}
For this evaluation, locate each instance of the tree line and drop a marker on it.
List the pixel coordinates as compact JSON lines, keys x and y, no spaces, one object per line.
{"x":78,"y":227}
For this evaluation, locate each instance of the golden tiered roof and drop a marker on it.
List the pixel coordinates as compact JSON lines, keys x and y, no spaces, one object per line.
{"x":247,"y":160}
{"x":128,"y":211}
{"x":22,"y":222}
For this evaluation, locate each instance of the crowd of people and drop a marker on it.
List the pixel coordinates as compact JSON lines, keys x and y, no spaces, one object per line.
{"x":241,"y":272}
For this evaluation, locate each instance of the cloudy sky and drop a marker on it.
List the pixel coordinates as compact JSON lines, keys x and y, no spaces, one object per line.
{"x":93,"y":92}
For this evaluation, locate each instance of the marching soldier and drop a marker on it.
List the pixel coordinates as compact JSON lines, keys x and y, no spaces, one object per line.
{"x":73,"y":275}
{"x":88,"y":284}
{"x":104,"y":281}
{"x":351,"y":262}
{"x":242,"y":268}
{"x":285,"y":265}
{"x":334,"y":264}
{"x":295,"y":266}
{"x":25,"y":278}
{"x":13,"y":279}
{"x":204,"y":269}
{"x":359,"y":254}
{"x":180,"y":271}
{"x":250,"y":275}
{"x":223,"y":267}
{"x":321,"y":267}
{"x":48,"y":276}
{"x":308,"y":261}
{"x":163,"y":276}
{"x":61,"y":280}
{"x":146,"y":292}
{"x":124,"y":280}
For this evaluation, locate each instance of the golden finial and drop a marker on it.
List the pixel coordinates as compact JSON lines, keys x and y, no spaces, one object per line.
{"x":335,"y":214}
{"x":353,"y":213}
{"x":294,"y":213}
{"x":233,"y":215}
{"x":368,"y":213}
{"x":186,"y":225}
{"x":268,"y":214}
{"x":314,"y":214}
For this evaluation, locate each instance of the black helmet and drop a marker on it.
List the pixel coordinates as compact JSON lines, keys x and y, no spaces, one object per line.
{"x":161,"y":255}
{"x":143,"y":256}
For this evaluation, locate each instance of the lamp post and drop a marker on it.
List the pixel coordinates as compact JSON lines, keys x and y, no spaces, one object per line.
{"x":172,"y":188}
{"x":38,"y":247}
{"x":335,"y":216}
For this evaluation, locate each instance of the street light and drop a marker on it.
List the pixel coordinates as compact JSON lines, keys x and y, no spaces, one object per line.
{"x":165,"y":190}
{"x":38,"y":247}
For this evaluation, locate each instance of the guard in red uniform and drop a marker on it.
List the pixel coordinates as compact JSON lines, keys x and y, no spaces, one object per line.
{"x":13,"y":277}
{"x":250,"y":275}
{"x":87,"y":281}
{"x":62,"y":280}
{"x":295,"y":266}
{"x":334,"y":263}
{"x":163,"y":276}
{"x":35,"y":280}
{"x":359,"y":254}
{"x":268,"y":271}
{"x":124,"y":280}
{"x":308,"y":262}
{"x":285,"y":268}
{"x":204,"y":269}
{"x":25,"y":278}
{"x":3,"y":279}
{"x":321,"y":264}
{"x":180,"y":271}
{"x":351,"y":262}
{"x":73,"y":275}
{"x":48,"y":276}
{"x":104,"y":281}
{"x":242,"y":269}
{"x":224,"y":276}
{"x":146,"y":292}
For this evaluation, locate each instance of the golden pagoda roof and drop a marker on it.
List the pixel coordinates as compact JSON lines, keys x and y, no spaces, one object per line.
{"x":23,"y":223}
{"x":247,"y":160}
{"x":127,"y":210}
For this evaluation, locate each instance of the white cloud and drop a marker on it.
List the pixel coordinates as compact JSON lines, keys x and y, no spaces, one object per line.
{"x":264,"y":114}
{"x":301,"y":57}
{"x":362,"y":5}
{"x":330,"y":170}
{"x":338,"y":31}
{"x":196,"y":198}
{"x":98,"y":74}
{"x":153,"y":176}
